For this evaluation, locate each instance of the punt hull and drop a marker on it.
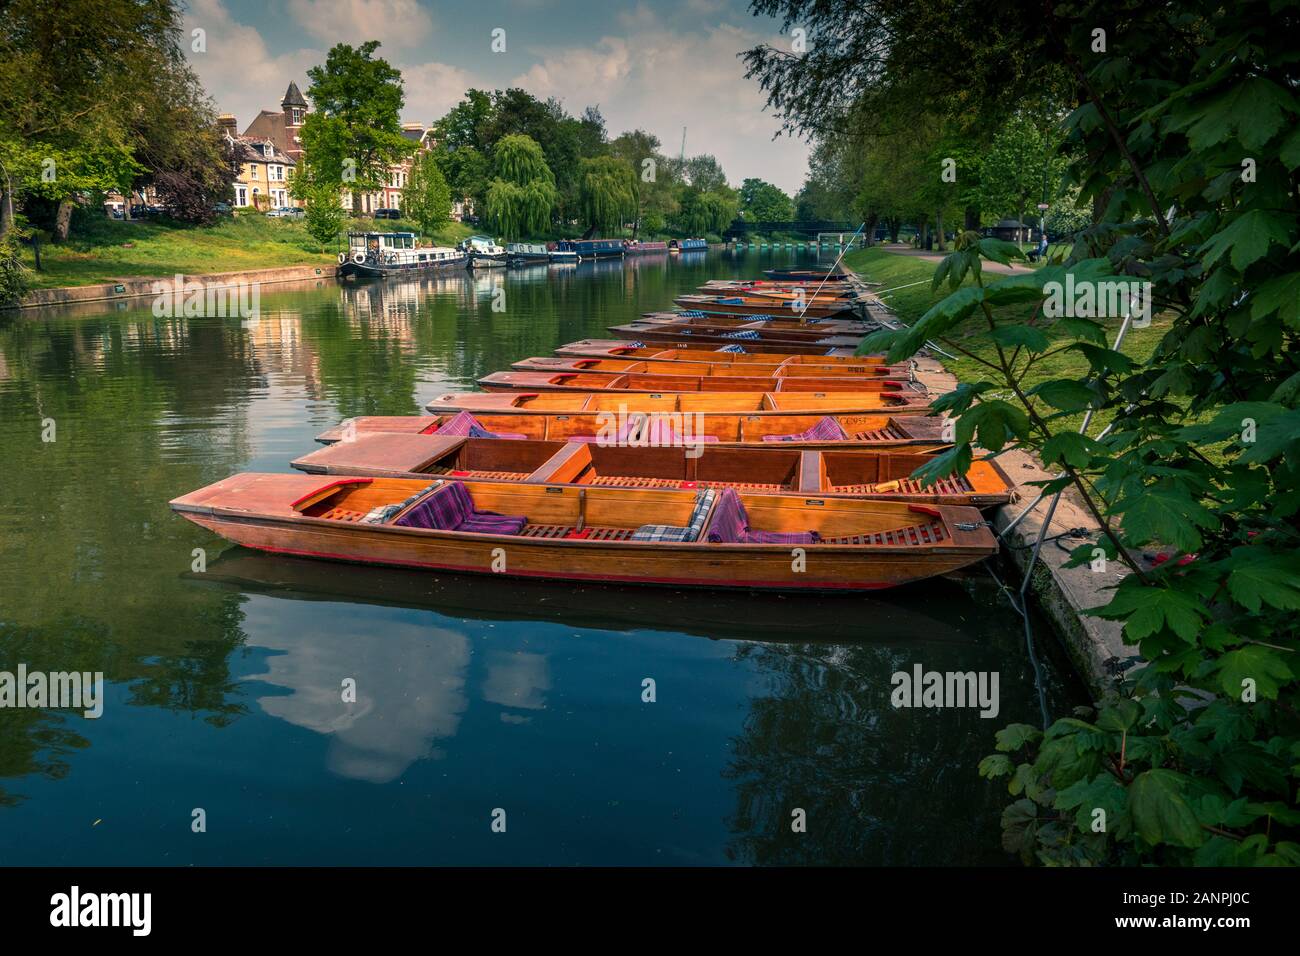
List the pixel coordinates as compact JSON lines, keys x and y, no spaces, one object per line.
{"x":773,"y":404}
{"x":826,"y":567}
{"x":699,"y":352}
{"x":657,"y":382}
{"x":864,"y":430}
{"x":794,"y":343}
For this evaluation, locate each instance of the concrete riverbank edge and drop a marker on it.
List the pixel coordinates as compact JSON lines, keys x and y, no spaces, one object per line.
{"x":1064,"y":595}
{"x":137,"y":287}
{"x":1095,"y":646}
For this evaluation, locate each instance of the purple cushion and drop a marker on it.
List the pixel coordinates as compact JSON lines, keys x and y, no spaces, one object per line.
{"x":730,"y":525}
{"x":828,"y":429}
{"x":489,"y":522}
{"x":465,"y":425}
{"x":444,"y":510}
{"x":781,"y":537}
{"x":729,"y":520}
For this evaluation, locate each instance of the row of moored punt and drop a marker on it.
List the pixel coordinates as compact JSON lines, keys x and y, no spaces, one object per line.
{"x":738,"y":442}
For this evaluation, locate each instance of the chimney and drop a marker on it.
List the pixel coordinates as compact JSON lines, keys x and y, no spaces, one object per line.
{"x":226,"y":123}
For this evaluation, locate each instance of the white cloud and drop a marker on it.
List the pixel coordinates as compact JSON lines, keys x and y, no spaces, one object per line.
{"x":660,"y":79}
{"x":396,"y":24}
{"x":432,"y":89}
{"x":237,"y":70}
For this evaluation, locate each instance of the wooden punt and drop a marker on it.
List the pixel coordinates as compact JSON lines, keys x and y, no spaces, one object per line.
{"x":806,"y":368}
{"x":703,"y":352}
{"x":777,"y":469}
{"x":770,"y":322}
{"x":818,"y":275}
{"x":576,"y":533}
{"x":752,"y":305}
{"x":782,"y":296}
{"x":663,"y":381}
{"x":860,"y":430}
{"x":706,"y":403}
{"x":791,"y":341}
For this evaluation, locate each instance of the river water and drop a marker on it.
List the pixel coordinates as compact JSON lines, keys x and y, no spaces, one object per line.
{"x":224,"y":738}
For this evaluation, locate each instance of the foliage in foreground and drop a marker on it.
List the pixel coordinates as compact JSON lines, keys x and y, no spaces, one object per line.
{"x":1192,"y":149}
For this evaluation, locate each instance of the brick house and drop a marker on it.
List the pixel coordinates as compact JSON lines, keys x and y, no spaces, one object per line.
{"x":264,"y":169}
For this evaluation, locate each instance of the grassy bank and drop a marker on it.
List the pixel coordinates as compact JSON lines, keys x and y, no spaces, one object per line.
{"x":893,"y":271}
{"x":104,"y":250}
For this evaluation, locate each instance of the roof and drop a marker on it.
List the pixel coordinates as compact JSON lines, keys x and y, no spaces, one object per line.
{"x":249,"y":150}
{"x":268,"y":125}
{"x":292,"y":97}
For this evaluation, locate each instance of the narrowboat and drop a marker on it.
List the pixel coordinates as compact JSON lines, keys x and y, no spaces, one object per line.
{"x":587,"y":249}
{"x":636,"y":247}
{"x":382,"y":254}
{"x":527,"y":253}
{"x":710,"y":537}
{"x":729,"y":430}
{"x":763,"y":404}
{"x":558,"y":256}
{"x":484,"y":253}
{"x":688,"y":245}
{"x":865,"y":472}
{"x":666,"y":381}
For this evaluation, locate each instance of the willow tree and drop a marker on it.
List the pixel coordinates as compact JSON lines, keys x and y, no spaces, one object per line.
{"x":521,"y":196}
{"x":607,"y":192}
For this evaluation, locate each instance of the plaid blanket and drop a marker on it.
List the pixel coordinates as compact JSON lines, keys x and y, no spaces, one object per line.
{"x":451,"y":508}
{"x":736,"y":349}
{"x":828,"y":429}
{"x":691,"y":314}
{"x":730,"y":525}
{"x":465,"y":425}
{"x":679,"y":533}
{"x":741,"y":334}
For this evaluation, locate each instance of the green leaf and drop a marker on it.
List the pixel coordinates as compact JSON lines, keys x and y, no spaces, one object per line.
{"x":1165,"y":515}
{"x":1014,"y":736}
{"x":1159,"y":812}
{"x":1066,"y":394}
{"x":1254,"y":109}
{"x":1013,"y":336}
{"x":1261,"y":577}
{"x":1119,"y":716}
{"x":1281,"y":295}
{"x":999,"y":250}
{"x":1072,"y":448}
{"x":1248,"y":238}
{"x":996,"y":765}
{"x":1145,"y":609}
{"x":1262,"y":665}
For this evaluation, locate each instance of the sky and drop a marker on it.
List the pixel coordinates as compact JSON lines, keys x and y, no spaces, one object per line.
{"x":658,"y":66}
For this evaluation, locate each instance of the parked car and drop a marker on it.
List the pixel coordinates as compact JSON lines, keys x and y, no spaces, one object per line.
{"x":223,"y":209}
{"x":388,"y":214}
{"x":286,"y":212}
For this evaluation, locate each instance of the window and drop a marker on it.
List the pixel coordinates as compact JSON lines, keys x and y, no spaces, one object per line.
{"x":267,"y":150}
{"x":297,"y":116}
{"x":241,"y":195}
{"x":275,"y":174}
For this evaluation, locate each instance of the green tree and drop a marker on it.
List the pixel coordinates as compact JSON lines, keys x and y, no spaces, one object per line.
{"x":762,"y":202}
{"x":427,"y":197}
{"x":608,"y":191}
{"x":1182,"y":134}
{"x":354,"y":133}
{"x":522,"y":195}
{"x":323,"y":212}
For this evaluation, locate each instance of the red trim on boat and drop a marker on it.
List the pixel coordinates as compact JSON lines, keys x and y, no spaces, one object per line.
{"x":577,"y":575}
{"x":332,"y":484}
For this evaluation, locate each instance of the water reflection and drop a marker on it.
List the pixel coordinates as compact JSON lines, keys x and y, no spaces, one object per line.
{"x":467,"y":687}
{"x":409,"y":683}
